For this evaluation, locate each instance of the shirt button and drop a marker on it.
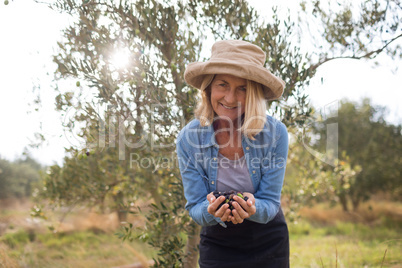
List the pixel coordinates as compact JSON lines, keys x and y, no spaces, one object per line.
{"x":214,"y":158}
{"x":247,"y":148}
{"x":212,"y":182}
{"x":253,"y":171}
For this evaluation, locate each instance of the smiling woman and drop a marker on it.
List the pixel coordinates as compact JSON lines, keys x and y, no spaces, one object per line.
{"x":231,"y":126}
{"x":228,"y":96}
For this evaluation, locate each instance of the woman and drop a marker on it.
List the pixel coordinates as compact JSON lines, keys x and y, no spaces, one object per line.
{"x":233,"y":145}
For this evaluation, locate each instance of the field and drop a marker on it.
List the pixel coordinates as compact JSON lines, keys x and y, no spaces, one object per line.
{"x":323,"y":236}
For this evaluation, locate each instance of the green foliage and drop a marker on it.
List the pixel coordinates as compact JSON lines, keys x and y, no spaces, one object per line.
{"x":356,"y":30}
{"x":367,"y":147}
{"x":309,"y":180}
{"x":18,"y":178}
{"x":162,"y":223}
{"x":16,"y":239}
{"x":371,"y":143}
{"x":62,"y":241}
{"x":83,"y":179}
{"x":367,"y":164}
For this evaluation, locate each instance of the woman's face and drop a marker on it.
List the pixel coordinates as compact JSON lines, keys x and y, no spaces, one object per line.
{"x":228,"y":96}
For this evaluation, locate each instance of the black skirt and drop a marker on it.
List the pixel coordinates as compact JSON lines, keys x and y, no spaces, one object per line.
{"x":248,"y":244}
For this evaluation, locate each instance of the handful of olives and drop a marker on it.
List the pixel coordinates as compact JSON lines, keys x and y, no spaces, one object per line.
{"x":229,"y":197}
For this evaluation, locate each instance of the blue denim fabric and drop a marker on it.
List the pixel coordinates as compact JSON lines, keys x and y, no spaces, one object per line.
{"x":266,"y":156}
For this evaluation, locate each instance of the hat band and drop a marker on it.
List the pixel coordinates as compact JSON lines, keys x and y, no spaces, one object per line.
{"x":236,"y":56}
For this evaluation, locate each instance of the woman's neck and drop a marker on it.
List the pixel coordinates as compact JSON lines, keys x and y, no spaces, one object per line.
{"x":228,"y":137}
{"x":225,"y":125}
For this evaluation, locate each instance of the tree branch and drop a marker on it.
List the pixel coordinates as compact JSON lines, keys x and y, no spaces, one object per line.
{"x":371,"y":54}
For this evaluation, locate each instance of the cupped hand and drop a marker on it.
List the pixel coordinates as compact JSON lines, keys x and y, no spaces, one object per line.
{"x":223,"y":212}
{"x":242,"y":209}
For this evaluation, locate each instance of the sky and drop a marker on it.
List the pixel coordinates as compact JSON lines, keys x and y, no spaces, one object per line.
{"x":29,"y":32}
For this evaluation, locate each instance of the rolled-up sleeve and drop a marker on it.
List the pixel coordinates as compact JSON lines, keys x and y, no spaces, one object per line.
{"x":195,"y":190}
{"x":268,"y":194}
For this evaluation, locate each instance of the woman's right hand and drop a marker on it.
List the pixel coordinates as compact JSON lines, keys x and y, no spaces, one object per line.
{"x":223,"y":212}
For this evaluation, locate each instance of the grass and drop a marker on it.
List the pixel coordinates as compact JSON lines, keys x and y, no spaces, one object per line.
{"x":344,"y":245}
{"x":324,"y":237}
{"x":328,"y":237}
{"x":75,"y":249}
{"x":83,"y":239}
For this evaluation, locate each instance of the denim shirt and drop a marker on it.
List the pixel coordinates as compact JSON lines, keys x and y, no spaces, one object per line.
{"x":266,"y":157}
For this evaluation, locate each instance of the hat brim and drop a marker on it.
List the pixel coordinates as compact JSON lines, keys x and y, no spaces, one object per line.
{"x":272,"y":85}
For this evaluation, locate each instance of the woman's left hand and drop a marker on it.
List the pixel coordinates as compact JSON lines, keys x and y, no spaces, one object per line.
{"x":242,"y":209}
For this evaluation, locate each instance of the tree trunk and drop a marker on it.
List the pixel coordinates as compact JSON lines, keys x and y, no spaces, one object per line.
{"x":191,"y":257}
{"x":355,"y":203}
{"x":120,"y":209}
{"x":102,"y":205}
{"x":156,"y":196}
{"x":344,"y":202}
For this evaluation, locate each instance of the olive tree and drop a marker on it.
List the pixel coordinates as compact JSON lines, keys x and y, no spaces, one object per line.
{"x":129,"y":114}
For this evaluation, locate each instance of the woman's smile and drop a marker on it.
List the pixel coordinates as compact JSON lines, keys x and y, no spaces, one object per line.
{"x":228,"y":96}
{"x":228,"y":107}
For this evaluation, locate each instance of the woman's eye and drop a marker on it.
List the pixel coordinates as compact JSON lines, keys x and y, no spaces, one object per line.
{"x":243,"y":89}
{"x":222,"y":85}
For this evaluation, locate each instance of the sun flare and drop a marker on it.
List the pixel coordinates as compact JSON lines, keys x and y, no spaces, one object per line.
{"x":120,"y":58}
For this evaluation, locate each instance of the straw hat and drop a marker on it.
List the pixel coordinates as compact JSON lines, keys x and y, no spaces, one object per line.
{"x":238,"y":58}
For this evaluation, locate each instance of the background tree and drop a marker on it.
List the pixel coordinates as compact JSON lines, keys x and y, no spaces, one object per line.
{"x":19,"y":177}
{"x":370,"y":142}
{"x":137,"y":109}
{"x":352,"y":29}
{"x":308,"y":180}
{"x":92,"y":179}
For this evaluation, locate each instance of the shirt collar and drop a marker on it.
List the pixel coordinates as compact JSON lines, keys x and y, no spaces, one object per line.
{"x":208,"y":136}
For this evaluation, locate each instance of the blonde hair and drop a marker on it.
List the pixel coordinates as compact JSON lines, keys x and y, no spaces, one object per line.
{"x":255,"y":110}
